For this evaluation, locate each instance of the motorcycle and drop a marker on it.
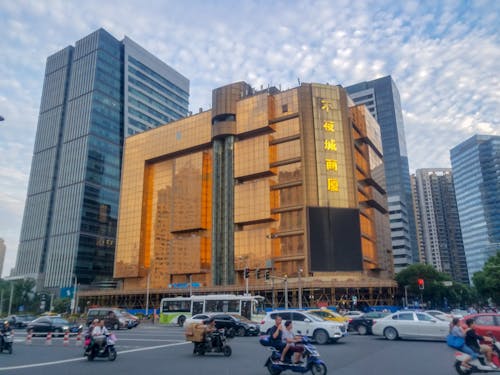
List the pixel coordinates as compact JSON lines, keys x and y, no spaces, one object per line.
{"x":92,"y":350}
{"x":310,"y":357}
{"x":478,"y":365}
{"x":7,"y":341}
{"x":214,"y":342}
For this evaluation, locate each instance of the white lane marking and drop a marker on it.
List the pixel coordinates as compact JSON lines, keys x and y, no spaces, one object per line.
{"x":82,"y":359}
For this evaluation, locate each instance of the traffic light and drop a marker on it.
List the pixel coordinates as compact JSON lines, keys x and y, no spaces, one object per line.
{"x":246,"y":273}
{"x":266,"y":275}
{"x":421,"y":284}
{"x":257,"y":273}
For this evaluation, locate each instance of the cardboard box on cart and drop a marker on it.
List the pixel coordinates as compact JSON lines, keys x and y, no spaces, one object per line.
{"x":195,"y":332}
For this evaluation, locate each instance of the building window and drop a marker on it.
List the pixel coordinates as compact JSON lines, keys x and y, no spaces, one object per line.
{"x":284,"y":108}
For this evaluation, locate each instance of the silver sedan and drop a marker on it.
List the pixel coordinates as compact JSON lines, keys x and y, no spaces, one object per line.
{"x":411,"y":325}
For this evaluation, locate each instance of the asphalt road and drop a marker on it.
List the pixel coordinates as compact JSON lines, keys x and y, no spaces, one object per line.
{"x":155,"y":350}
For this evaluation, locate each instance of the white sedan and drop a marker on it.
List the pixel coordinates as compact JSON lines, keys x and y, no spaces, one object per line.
{"x":411,"y":325}
{"x":198,"y":318}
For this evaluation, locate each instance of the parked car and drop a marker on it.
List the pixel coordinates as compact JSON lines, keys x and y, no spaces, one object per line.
{"x":363,"y":323}
{"x":485,"y":323}
{"x":19,"y":321}
{"x":440,"y":315}
{"x":236,"y":325}
{"x":113,"y":317}
{"x":57,"y":325}
{"x":329,"y":315}
{"x":320,"y":330}
{"x":412,"y":325}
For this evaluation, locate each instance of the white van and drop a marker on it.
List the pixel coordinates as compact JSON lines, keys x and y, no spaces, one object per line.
{"x":321,"y":331}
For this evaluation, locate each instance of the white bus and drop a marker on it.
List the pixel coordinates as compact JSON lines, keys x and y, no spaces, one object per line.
{"x":175,"y":310}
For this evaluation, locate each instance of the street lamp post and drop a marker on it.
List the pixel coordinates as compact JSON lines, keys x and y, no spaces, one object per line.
{"x":286,"y":291}
{"x":300,"y":288}
{"x":74,"y":294}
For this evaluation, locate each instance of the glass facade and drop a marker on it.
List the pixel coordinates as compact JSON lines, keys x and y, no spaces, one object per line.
{"x":476,"y":173}
{"x":71,"y":212}
{"x":382,"y":99}
{"x":251,"y":169}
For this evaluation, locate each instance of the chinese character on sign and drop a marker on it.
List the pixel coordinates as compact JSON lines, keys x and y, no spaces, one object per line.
{"x":330,"y":144}
{"x":331,"y":164}
{"x":329,"y":126}
{"x":333,"y":184}
{"x":326,"y":105}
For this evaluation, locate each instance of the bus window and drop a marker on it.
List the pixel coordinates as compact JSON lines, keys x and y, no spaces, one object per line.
{"x":176,"y":306}
{"x":246,"y":309}
{"x":197,"y":307}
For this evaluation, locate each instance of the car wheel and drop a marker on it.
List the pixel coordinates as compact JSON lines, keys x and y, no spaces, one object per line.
{"x":180,"y":320}
{"x":240,"y":331}
{"x":318,"y":369}
{"x":321,"y":336}
{"x":362,"y":330}
{"x":390,"y":333}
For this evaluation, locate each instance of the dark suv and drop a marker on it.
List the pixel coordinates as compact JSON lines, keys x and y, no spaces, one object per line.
{"x":236,"y":325}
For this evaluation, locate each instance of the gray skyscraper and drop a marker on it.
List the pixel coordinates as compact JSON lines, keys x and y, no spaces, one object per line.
{"x":94,"y":94}
{"x":381,"y":97}
{"x":476,"y":173}
{"x":440,"y":238}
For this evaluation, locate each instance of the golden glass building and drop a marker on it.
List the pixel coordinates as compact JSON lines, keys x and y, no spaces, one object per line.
{"x":289,"y":182}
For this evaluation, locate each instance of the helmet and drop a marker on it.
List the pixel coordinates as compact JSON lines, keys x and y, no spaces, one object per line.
{"x":6,"y":323}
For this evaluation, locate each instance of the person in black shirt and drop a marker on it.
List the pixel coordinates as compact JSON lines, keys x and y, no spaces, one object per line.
{"x":472,"y":341}
{"x":275,"y":334}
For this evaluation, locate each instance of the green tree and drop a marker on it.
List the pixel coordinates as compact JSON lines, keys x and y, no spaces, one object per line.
{"x":62,"y":305}
{"x":487,"y":281}
{"x":435,"y":291}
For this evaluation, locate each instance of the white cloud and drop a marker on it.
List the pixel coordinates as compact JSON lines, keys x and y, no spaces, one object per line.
{"x":443,"y":57}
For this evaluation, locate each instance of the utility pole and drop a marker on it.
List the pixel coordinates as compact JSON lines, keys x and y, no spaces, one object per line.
{"x":300,"y":288}
{"x":147,"y":293}
{"x":286,"y":292}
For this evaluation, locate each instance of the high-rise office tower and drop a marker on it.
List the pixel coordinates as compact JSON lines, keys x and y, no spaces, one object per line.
{"x":381,"y":97}
{"x":3,"y":249}
{"x":94,"y":95}
{"x":476,"y":173}
{"x":288,"y":181}
{"x":440,"y":237}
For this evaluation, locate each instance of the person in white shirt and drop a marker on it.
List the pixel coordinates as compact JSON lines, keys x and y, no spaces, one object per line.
{"x":99,"y":334}
{"x":291,"y":342}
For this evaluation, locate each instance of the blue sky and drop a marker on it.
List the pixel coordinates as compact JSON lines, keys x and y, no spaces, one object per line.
{"x":443,"y":55}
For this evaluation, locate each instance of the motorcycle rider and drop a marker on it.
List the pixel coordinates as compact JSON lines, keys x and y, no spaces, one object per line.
{"x":276,"y":334}
{"x":471,"y":340}
{"x":290,"y":341}
{"x":99,"y":334}
{"x":5,"y":328}
{"x":457,"y":331}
